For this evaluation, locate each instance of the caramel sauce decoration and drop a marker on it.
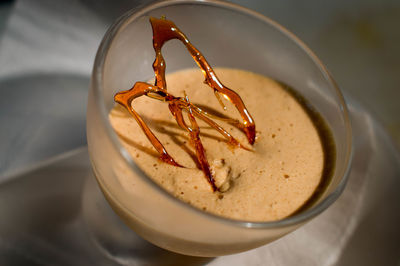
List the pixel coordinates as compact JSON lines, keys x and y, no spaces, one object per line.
{"x":163,"y":31}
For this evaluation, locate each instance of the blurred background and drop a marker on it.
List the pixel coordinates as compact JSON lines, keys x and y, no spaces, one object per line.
{"x":47,"y":49}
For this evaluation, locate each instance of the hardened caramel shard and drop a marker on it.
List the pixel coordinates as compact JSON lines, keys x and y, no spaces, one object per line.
{"x":163,"y":31}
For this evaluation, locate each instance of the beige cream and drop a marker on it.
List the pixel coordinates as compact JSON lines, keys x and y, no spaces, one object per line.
{"x":268,"y":183}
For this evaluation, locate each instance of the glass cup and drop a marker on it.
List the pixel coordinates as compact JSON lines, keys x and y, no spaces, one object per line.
{"x":229,"y":36}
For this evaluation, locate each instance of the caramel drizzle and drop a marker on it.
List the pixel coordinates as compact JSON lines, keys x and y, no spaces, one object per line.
{"x":163,"y":31}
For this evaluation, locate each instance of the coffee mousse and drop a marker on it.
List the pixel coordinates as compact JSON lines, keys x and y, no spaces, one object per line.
{"x":270,"y":180}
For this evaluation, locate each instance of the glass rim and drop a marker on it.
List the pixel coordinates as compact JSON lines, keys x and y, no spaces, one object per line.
{"x":97,"y":87}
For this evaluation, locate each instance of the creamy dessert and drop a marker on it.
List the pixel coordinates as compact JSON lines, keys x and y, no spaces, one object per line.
{"x":267,"y":181}
{"x":260,"y":158}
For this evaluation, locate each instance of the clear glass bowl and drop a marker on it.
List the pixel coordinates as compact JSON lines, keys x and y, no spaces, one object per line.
{"x":229,"y":36}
